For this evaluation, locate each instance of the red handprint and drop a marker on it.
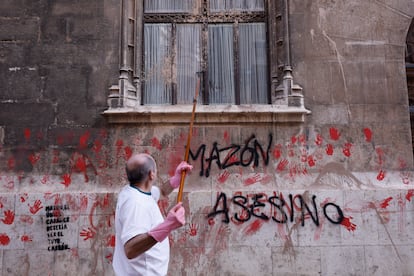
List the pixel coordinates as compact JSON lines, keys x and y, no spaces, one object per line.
{"x":252,"y":180}
{"x":8,"y":217}
{"x":193,"y":229}
{"x":282,"y":165}
{"x":36,"y":207}
{"x":223,"y":176}
{"x":87,"y":233}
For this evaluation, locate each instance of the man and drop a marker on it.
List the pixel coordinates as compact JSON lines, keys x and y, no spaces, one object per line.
{"x":141,"y":240}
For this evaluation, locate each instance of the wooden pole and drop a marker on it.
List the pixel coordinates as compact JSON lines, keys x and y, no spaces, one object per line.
{"x":187,"y":147}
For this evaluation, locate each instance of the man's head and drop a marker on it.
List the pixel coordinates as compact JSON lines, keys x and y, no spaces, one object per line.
{"x":141,"y":168}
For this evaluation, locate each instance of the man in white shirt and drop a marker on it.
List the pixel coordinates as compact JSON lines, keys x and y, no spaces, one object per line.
{"x":141,"y":240}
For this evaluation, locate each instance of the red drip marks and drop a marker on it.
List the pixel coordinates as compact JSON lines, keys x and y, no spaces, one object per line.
{"x":4,"y":239}
{"x":386,"y":202}
{"x":368,"y":134}
{"x":334,"y":133}
{"x":348,"y":224}
{"x":253,"y":227}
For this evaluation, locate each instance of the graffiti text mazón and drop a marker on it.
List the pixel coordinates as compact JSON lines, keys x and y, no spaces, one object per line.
{"x":233,"y":155}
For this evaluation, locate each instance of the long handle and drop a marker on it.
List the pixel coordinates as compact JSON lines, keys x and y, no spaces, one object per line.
{"x":187,"y":147}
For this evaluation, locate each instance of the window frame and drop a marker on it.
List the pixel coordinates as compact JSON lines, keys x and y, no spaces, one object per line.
{"x":125,"y":98}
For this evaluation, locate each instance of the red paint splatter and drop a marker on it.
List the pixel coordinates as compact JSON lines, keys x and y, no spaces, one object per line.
{"x":23,"y":198}
{"x":81,"y":164}
{"x":26,"y":219}
{"x":4,"y":239}
{"x":302,"y":139}
{"x":311,"y":161}
{"x":253,"y":227}
{"x":83,"y":140}
{"x":348,"y":224}
{"x":226,"y":137}
{"x":380,"y":154}
{"x":318,"y":139}
{"x":34,"y":157}
{"x":368,"y":134}
{"x":26,"y":238}
{"x":211,"y":221}
{"x":385,"y":203}
{"x":277,"y":151}
{"x":156,"y":143}
{"x":60,"y":140}
{"x":128,"y":152}
{"x":97,"y":146}
{"x":66,"y":180}
{"x":347,"y":149}
{"x":27,"y":134}
{"x":45,"y":179}
{"x":381,"y":175}
{"x":334,"y":133}
{"x":293,"y":140}
{"x":55,"y":158}
{"x":409,"y":195}
{"x":11,"y":163}
{"x":39,"y":135}
{"x":329,"y":149}
{"x":111,"y":241}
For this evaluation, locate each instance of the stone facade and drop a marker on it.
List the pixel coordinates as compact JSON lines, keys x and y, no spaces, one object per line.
{"x":329,"y":194}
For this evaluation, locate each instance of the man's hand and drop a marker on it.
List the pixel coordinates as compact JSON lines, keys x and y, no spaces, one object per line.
{"x":175,"y":180}
{"x":174,"y":220}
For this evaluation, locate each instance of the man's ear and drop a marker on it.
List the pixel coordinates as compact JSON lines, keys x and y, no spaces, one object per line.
{"x":151,"y":175}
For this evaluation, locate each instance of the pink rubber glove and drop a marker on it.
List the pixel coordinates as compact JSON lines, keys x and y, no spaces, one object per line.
{"x":175,"y":180}
{"x":174,"y":220}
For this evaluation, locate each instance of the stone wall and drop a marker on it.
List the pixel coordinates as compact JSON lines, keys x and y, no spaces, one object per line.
{"x":330,"y":196}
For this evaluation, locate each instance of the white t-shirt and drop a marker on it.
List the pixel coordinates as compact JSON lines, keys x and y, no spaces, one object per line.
{"x":137,"y":213}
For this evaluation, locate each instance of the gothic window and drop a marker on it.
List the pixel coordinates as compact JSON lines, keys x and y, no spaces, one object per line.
{"x":237,"y":50}
{"x":225,"y":41}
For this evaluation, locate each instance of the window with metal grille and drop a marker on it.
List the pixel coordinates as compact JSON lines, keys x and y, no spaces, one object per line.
{"x":222,"y":42}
